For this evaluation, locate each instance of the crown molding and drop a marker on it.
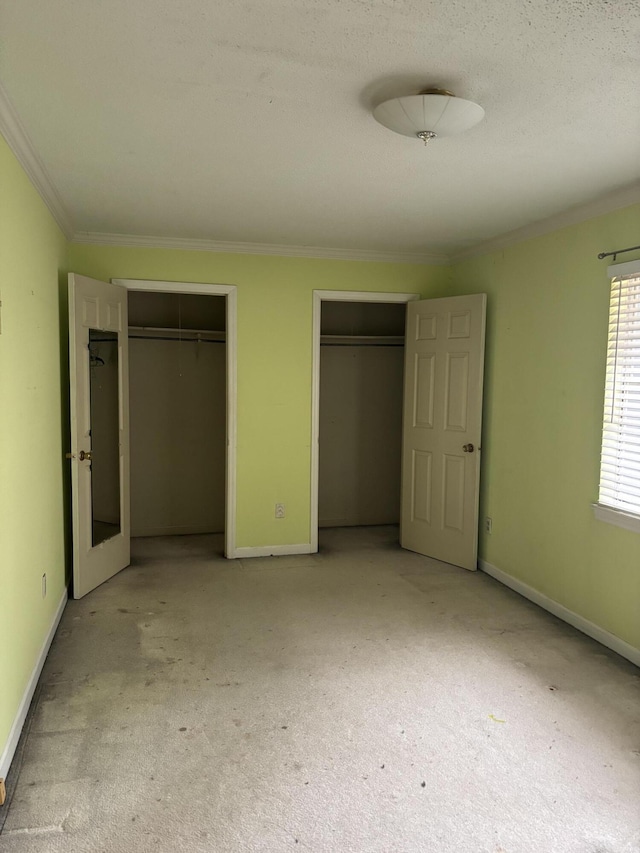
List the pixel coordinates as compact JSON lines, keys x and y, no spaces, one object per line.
{"x":20,"y":144}
{"x":616,"y":200}
{"x":238,"y":248}
{"x":18,"y":141}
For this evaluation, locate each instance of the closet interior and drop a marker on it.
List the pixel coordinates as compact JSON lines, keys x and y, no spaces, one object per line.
{"x":360,"y":418}
{"x":177,"y":393}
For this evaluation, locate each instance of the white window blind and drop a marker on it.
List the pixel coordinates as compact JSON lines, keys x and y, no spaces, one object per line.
{"x":620,"y":461}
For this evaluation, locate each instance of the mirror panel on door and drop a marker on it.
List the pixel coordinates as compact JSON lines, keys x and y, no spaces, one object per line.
{"x":105,"y":435}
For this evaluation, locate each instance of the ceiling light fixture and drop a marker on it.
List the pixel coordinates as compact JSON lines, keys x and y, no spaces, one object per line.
{"x":432,"y":113}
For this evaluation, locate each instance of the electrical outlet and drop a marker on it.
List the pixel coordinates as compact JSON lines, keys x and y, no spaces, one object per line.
{"x":44,"y":585}
{"x":488,"y":525}
{"x":279,"y":510}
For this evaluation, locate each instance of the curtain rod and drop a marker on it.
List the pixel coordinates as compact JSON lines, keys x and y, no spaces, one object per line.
{"x":617,"y":252}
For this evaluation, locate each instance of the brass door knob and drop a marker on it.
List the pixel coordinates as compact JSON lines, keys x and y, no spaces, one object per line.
{"x":86,"y":454}
{"x":468,"y":448}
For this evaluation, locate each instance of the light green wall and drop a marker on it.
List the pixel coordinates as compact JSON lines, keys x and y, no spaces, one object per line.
{"x":274,"y":360}
{"x":32,"y":251}
{"x":546,"y":343}
{"x":547,"y":321}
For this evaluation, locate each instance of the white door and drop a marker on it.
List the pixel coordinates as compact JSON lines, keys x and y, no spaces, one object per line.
{"x":99,"y":375}
{"x":444,"y":360}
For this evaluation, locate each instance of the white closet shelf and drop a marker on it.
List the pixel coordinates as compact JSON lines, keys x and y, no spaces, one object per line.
{"x":158,"y":332}
{"x":363,"y":340}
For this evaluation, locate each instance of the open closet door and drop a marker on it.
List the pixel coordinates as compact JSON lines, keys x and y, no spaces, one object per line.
{"x":99,"y":375}
{"x":444,"y":361}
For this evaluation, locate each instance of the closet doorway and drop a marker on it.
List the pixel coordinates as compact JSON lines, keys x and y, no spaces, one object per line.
{"x":182,"y":397}
{"x":357,"y":403}
{"x":372,"y":420}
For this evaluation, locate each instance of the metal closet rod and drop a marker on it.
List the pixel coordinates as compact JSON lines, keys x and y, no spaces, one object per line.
{"x":157,"y":338}
{"x":178,"y":340}
{"x":617,"y":252}
{"x":359,"y":344}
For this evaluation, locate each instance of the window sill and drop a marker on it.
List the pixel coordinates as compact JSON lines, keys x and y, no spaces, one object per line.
{"x":619,"y":517}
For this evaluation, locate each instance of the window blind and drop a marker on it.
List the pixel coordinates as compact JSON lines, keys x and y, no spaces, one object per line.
{"x":620,"y":460}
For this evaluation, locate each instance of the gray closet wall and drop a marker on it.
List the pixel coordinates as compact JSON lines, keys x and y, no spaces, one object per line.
{"x":177,"y":390}
{"x":361,"y":389}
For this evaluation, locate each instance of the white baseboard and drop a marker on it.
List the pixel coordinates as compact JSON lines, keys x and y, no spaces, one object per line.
{"x":16,"y":729}
{"x":589,"y":628}
{"x":273,"y":550}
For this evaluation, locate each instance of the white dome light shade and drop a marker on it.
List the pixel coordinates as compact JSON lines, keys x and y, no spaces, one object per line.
{"x":428,"y":115}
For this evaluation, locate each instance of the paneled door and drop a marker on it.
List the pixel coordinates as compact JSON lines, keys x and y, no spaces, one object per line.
{"x":444,"y":360}
{"x":98,"y":367}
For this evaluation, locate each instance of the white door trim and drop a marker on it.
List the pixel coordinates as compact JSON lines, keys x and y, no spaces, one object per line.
{"x":230,"y":291}
{"x":320,"y":296}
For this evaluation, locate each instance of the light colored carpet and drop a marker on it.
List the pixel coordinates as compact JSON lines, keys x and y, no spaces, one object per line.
{"x":364,"y":699}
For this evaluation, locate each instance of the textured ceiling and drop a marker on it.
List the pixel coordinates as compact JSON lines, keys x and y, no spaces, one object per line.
{"x":251,"y":121}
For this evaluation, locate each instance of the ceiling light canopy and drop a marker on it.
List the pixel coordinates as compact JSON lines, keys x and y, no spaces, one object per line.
{"x":432,"y":113}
